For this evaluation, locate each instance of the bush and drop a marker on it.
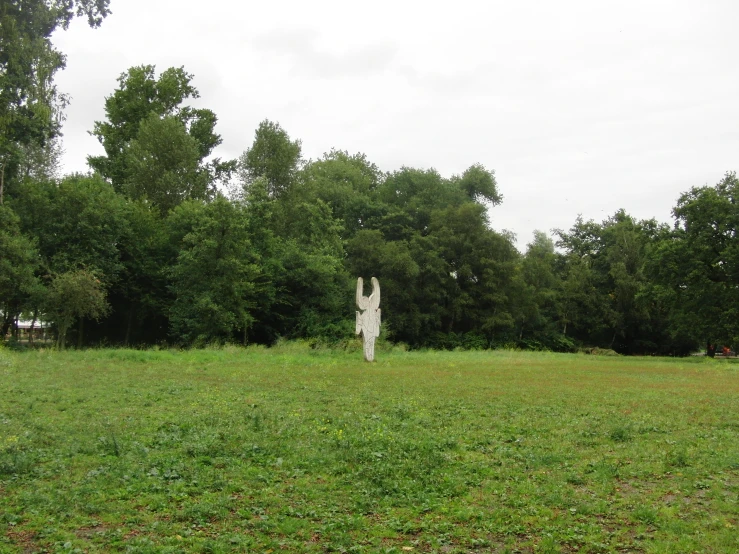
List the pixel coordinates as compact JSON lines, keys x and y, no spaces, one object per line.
{"x":474,"y":341}
{"x":598,"y":351}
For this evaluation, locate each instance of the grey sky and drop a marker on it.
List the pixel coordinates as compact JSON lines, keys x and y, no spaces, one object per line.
{"x":579,"y":106}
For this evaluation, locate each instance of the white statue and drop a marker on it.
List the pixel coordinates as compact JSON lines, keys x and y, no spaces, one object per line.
{"x":368,"y":322}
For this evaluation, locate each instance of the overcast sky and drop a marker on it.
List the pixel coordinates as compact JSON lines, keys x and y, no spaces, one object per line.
{"x":580,"y":106}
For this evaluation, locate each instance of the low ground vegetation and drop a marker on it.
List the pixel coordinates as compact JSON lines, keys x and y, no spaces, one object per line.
{"x":293,"y":449}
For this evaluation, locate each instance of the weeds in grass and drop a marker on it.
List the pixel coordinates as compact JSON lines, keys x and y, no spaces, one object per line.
{"x":109,"y":445}
{"x":645,"y":514}
{"x":620,"y":434}
{"x":677,"y":458}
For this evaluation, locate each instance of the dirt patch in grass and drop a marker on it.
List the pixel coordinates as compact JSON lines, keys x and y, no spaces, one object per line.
{"x":23,"y":539}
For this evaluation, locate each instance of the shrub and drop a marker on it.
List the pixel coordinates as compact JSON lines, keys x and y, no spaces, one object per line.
{"x":598,"y":351}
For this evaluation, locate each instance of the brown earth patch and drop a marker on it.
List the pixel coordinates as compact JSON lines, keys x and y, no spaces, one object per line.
{"x":88,"y":532}
{"x":24,"y":539}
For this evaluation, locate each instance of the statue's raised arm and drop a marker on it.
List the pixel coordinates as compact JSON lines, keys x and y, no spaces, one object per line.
{"x":374,"y":299}
{"x":362,"y":301}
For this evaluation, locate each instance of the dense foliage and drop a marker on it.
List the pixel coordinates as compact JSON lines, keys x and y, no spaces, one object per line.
{"x":30,"y":105}
{"x":164,"y":242}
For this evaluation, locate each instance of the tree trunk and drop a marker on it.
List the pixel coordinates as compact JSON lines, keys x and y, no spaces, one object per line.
{"x":80,"y":332}
{"x":613,"y":340}
{"x":30,"y":331}
{"x":128,"y":326}
{"x":2,"y":182}
{"x":492,"y":330}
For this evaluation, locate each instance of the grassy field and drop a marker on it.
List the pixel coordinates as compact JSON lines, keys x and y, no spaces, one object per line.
{"x":293,"y":450}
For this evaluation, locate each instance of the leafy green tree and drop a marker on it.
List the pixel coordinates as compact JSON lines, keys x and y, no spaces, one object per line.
{"x":604,"y":285}
{"x":418,"y":193}
{"x":347,"y":184}
{"x":163,"y":164}
{"x":74,"y":294}
{"x":304,"y":286}
{"x":18,"y":263}
{"x":77,"y":223}
{"x":584,"y":306}
{"x":312,"y":293}
{"x":29,"y":102}
{"x":479,"y":185}
{"x":580,"y":306}
{"x":539,"y":302}
{"x":696,"y":269}
{"x":259,"y":210}
{"x":140,"y":298}
{"x":274,"y":157}
{"x":449,"y":283}
{"x":41,"y":162}
{"x":298,"y":233}
{"x":213,"y":278}
{"x":626,"y":245}
{"x":156,"y":148}
{"x":482,"y":268}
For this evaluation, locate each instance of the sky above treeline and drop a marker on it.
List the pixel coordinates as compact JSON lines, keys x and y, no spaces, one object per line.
{"x":580,"y":107}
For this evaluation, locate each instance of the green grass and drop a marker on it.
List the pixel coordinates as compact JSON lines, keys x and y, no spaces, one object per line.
{"x":293,"y":450}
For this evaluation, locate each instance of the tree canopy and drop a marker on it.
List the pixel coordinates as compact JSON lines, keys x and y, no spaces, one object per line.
{"x":155,"y":146}
{"x":30,"y":105}
{"x":149,"y":247}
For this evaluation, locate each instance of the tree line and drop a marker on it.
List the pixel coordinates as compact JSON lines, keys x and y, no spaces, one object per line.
{"x":163,"y":242}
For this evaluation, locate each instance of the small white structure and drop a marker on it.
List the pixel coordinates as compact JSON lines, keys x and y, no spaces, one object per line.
{"x":368,"y":321}
{"x":30,"y":330}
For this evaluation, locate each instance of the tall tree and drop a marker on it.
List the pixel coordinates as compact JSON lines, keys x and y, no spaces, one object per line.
{"x":139,"y":299}
{"x":482,"y":272}
{"x":696,"y":269}
{"x":18,"y":262}
{"x":213,"y":278}
{"x":449,"y":278}
{"x":41,"y":162}
{"x":604,"y":286}
{"x":273,"y":156}
{"x":163,"y":164}
{"x":29,"y":102}
{"x":156,"y":147}
{"x":74,"y":295}
{"x":417,"y":193}
{"x":347,"y":184}
{"x":303,"y":281}
{"x":479,"y":184}
{"x":77,"y":223}
{"x":539,"y":302}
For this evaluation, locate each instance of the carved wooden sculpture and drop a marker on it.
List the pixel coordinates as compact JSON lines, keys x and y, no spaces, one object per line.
{"x":368,"y":321}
